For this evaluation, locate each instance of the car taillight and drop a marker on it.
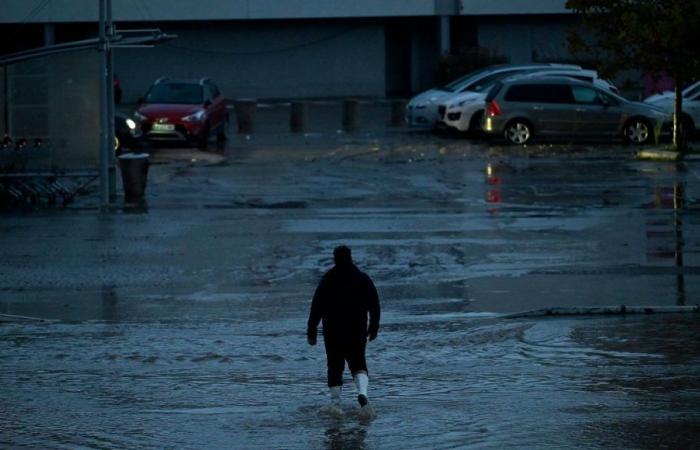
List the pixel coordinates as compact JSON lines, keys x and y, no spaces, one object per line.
{"x":492,"y":109}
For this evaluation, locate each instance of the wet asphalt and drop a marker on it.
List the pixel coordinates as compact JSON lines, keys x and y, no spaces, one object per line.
{"x":180,"y":323}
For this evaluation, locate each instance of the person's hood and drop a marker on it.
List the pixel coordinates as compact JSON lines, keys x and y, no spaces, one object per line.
{"x":342,"y":270}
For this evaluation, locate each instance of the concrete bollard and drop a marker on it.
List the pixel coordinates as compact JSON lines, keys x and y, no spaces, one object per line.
{"x":134,"y":168}
{"x":245,"y":115}
{"x":350,"y":115}
{"x":398,"y":113}
{"x":299,"y":117}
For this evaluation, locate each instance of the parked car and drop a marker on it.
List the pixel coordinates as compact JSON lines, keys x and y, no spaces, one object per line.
{"x":189,"y":111}
{"x":691,"y":105}
{"x":422,"y":110}
{"x":464,"y":112}
{"x":127,"y":133}
{"x":520,"y":109}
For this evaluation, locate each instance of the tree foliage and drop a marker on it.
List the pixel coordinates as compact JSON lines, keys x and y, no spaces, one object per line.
{"x":652,"y":35}
{"x":655,"y":36}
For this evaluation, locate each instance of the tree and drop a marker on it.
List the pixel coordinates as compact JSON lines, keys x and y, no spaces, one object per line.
{"x":656,"y":36}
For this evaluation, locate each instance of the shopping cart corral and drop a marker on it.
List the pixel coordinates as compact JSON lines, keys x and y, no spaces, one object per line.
{"x":20,"y":187}
{"x":44,"y":188}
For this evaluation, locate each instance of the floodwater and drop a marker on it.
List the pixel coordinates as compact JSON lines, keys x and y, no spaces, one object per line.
{"x":181,"y":325}
{"x":436,"y":382}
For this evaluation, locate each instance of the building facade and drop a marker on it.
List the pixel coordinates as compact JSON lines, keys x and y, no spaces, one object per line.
{"x":298,"y":48}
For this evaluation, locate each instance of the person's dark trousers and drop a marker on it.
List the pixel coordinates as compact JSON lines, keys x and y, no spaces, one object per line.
{"x":337,"y":353}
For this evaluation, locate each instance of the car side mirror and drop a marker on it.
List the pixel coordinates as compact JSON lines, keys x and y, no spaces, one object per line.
{"x":140,"y":101}
{"x":207,"y":103}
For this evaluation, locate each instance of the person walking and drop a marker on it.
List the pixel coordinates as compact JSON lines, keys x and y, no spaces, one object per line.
{"x":343,"y":300}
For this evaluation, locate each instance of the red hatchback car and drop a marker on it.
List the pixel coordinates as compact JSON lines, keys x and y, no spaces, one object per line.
{"x":189,"y":111}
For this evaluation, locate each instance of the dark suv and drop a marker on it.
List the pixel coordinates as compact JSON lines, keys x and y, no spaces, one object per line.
{"x":189,"y":111}
{"x":519,"y":109}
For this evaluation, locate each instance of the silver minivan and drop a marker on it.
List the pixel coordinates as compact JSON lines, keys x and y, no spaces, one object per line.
{"x":519,"y":109}
{"x":422,"y":110}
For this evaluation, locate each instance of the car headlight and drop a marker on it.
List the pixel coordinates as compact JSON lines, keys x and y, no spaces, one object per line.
{"x":196,"y":117}
{"x":140,"y":117}
{"x":131,"y":124}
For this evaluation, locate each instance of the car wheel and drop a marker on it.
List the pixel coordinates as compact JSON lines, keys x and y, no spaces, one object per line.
{"x":518,"y":132}
{"x":638,"y":131}
{"x":221,"y":135}
{"x":203,"y":140}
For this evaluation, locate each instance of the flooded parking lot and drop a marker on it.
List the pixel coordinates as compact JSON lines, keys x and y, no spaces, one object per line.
{"x":450,"y":381}
{"x":182,"y":325}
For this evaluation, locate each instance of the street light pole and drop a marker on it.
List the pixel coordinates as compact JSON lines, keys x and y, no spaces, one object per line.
{"x":107,"y":159}
{"x":110,"y":31}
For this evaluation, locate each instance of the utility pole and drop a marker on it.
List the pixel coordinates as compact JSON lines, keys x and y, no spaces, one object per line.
{"x":110,"y":102}
{"x":107,"y":157}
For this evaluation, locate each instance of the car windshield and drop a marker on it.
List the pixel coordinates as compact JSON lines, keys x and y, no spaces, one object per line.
{"x":180,"y":93}
{"x":485,"y":83}
{"x":462,"y":81}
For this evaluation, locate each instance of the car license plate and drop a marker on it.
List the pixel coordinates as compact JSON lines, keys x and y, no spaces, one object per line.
{"x":163,"y":127}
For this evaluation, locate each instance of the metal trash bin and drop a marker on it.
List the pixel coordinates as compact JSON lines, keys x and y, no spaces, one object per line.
{"x":134,"y":168}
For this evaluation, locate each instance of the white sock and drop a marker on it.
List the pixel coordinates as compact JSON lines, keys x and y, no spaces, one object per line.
{"x":335,"y":394}
{"x":361,"y":381}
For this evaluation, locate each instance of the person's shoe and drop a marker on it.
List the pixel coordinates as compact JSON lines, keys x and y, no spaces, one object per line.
{"x":335,"y":395}
{"x":362,"y":400}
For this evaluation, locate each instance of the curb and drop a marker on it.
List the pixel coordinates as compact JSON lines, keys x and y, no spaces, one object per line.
{"x":10,"y":318}
{"x":605,"y":311}
{"x":658,"y":155}
{"x":661,"y":154}
{"x":191,"y":156}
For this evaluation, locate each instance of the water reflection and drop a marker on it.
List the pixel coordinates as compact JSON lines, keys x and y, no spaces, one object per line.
{"x":658,"y":234}
{"x":339,"y":438}
{"x":139,"y":207}
{"x":678,"y":207}
{"x":493,"y":193}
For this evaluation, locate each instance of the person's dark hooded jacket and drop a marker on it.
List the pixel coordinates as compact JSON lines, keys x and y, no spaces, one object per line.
{"x":342,"y":301}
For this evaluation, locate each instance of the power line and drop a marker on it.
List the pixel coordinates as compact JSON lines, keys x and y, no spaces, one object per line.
{"x":34,"y":12}
{"x":143,"y":10}
{"x":147,"y":9}
{"x":139,"y":7}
